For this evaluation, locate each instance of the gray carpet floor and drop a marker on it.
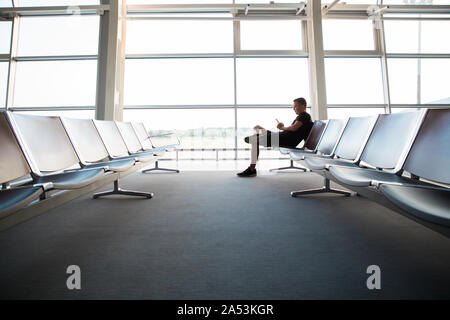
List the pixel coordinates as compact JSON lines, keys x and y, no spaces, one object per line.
{"x":211,"y":235}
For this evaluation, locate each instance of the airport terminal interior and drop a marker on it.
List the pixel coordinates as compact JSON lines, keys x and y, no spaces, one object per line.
{"x":122,"y":130}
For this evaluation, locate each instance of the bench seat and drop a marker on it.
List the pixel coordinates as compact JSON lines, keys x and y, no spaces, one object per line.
{"x":72,"y":179}
{"x":17,"y":198}
{"x":322,"y":163}
{"x":362,"y":177}
{"x":114,"y":165}
{"x":298,"y":155}
{"x":429,"y":203}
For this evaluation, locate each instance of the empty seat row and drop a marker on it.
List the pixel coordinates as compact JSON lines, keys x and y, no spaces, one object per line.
{"x":400,"y":160}
{"x":41,"y":154}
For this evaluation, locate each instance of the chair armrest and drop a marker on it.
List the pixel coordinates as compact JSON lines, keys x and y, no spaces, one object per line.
{"x":45,"y":186}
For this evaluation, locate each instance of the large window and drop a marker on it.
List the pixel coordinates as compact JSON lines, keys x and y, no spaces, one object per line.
{"x":49,"y":36}
{"x":179,"y":36}
{"x":354,"y":81}
{"x":435,"y":79}
{"x":194,"y":90}
{"x":176,"y":1}
{"x":271,"y":35}
{"x":178,"y":81}
{"x":56,"y":60}
{"x":39,"y":3}
{"x":55,"y":83}
{"x":265,"y":1}
{"x":341,"y":113}
{"x":5,"y":36}
{"x":3,"y":82}
{"x":419,"y":79}
{"x":403,"y":80}
{"x":272,"y":80}
{"x":5,"y":3}
{"x":348,"y":34}
{"x":416,"y":36}
{"x":78,"y":114}
{"x":416,"y":2}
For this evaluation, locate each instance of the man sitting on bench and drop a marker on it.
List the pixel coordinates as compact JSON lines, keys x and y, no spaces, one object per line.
{"x":289,"y":137}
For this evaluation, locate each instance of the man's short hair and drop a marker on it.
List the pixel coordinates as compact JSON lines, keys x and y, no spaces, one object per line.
{"x":301,"y":101}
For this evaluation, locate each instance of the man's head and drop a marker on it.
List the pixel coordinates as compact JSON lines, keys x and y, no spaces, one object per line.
{"x":299,"y":105}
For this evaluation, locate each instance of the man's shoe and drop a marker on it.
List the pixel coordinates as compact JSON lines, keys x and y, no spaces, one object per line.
{"x":247,"y":173}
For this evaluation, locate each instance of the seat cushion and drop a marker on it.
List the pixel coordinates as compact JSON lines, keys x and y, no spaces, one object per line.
{"x":361,"y":177}
{"x":284,"y":150}
{"x":145,"y":157}
{"x":14,"y":199}
{"x":320,"y":163}
{"x":114,"y":165}
{"x":73,"y":179}
{"x":300,"y":154}
{"x":428,"y":203}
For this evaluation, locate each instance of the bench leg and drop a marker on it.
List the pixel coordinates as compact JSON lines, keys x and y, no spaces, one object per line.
{"x":291,"y":166}
{"x":118,"y":191}
{"x":161,"y":169}
{"x":325,"y":189}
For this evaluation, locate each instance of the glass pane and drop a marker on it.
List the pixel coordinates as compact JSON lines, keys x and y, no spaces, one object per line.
{"x":79,"y":114}
{"x":179,"y":36}
{"x":5,"y":36}
{"x":266,"y":1}
{"x":403,"y":80}
{"x":196,"y":128}
{"x":177,"y":1}
{"x":401,"y":36}
{"x":55,"y":83}
{"x":416,"y":36}
{"x":271,"y":35}
{"x":39,"y":3}
{"x":397,"y":110}
{"x":353,"y":81}
{"x":180,"y":15}
{"x":357,"y":1}
{"x":348,"y":34}
{"x":178,"y":81}
{"x":5,"y":3}
{"x":74,"y":35}
{"x":339,"y":113}
{"x":431,"y":41}
{"x":3,"y":82}
{"x":435,"y":79}
{"x":417,"y":2}
{"x":272,"y":80}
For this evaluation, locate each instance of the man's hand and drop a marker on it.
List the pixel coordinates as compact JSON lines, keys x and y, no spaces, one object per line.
{"x":280,"y":125}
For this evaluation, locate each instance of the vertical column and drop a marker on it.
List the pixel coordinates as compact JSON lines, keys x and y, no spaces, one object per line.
{"x":316,"y":61}
{"x":12,"y":62}
{"x":379,"y":25}
{"x":236,"y":48}
{"x":419,"y":66}
{"x":111,"y":62}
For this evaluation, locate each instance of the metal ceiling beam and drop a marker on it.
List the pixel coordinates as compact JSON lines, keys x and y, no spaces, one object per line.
{"x":54,"y":10}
